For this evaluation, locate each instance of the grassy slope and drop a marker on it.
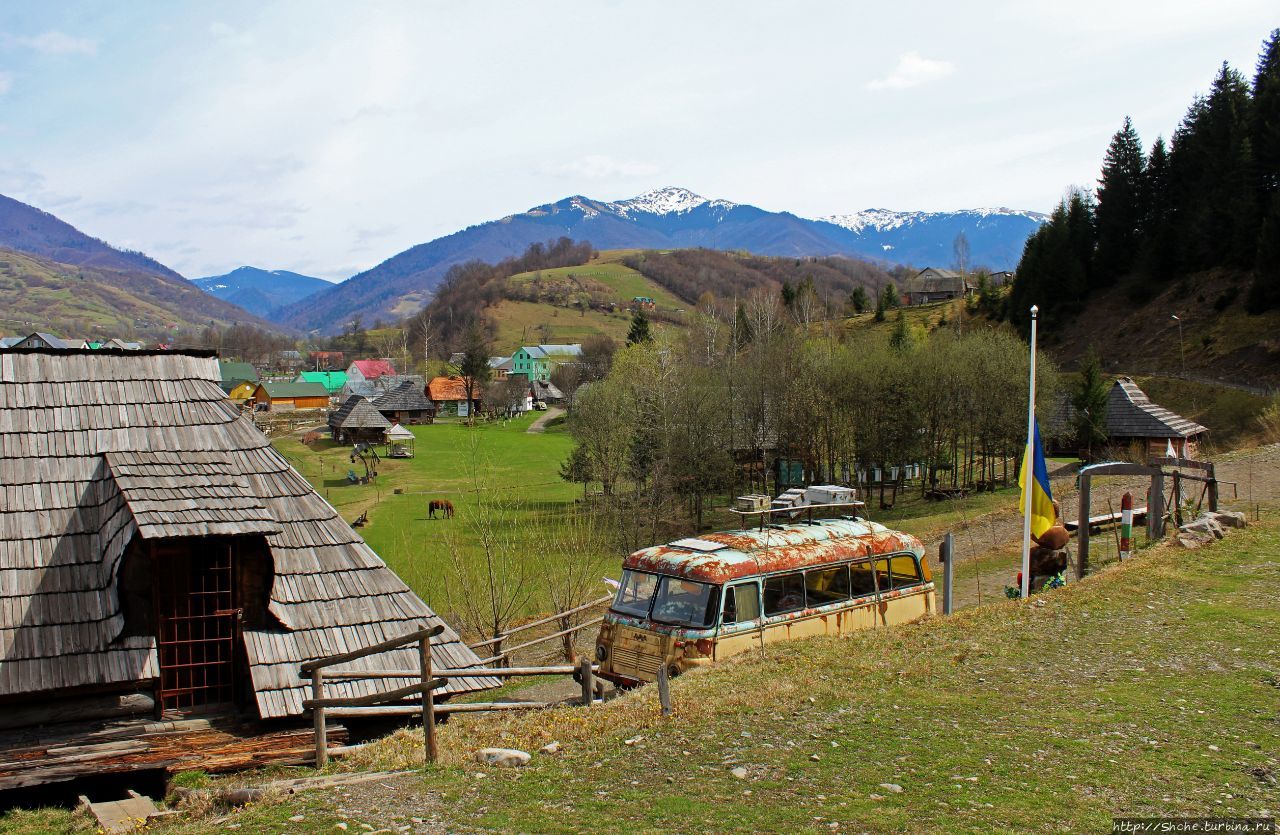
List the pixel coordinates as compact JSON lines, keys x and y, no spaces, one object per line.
{"x":519,"y":467}
{"x":1149,"y":689}
{"x":38,"y":294}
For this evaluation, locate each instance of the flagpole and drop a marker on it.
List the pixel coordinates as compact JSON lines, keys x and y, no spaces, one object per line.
{"x":1029,"y":464}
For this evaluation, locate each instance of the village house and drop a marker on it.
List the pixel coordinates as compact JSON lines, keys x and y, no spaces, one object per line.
{"x":373,"y":389}
{"x":1133,"y":420}
{"x":449,"y":394}
{"x":501,"y":367}
{"x":285,"y":396}
{"x":39,"y":340}
{"x":406,"y":404}
{"x":934,"y":284}
{"x":327,"y":360}
{"x":333,"y":381}
{"x":368,"y":370}
{"x":536,"y":362}
{"x":162,"y":560}
{"x":235,"y":375}
{"x":545,"y":391}
{"x":357,"y":421}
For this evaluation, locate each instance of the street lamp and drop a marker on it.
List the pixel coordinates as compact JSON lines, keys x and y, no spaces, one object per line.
{"x":1181,"y":347}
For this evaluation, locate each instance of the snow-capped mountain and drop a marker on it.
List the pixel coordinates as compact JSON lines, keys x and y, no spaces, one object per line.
{"x":668,"y":218}
{"x":261,"y":291}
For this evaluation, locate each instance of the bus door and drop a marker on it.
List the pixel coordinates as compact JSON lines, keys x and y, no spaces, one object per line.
{"x":739,"y":619}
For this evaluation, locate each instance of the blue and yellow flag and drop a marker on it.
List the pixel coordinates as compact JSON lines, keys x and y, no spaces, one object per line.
{"x":1041,"y":498}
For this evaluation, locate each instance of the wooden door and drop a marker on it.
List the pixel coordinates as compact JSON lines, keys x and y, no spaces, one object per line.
{"x":196,"y":623}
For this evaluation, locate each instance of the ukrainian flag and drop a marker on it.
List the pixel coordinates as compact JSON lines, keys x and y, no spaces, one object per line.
{"x":1041,"y":498}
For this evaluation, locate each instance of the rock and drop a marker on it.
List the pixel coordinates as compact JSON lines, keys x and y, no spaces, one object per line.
{"x":1204,"y":525}
{"x":739,"y":772}
{"x":297,"y":818}
{"x":502,"y":757}
{"x":815,"y":757}
{"x":549,"y":748}
{"x":875,"y":796}
{"x":1230,"y":518}
{"x":1192,"y":540}
{"x":340,"y":825}
{"x":891,"y":787}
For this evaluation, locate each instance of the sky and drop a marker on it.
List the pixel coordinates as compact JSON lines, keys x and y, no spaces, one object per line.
{"x":324,"y":137}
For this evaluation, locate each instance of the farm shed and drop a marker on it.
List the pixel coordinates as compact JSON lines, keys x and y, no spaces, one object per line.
{"x":406,"y":404}
{"x":155,"y":547}
{"x":1133,"y":419}
{"x":357,"y":421}
{"x":284,"y":396}
{"x":934,"y":284}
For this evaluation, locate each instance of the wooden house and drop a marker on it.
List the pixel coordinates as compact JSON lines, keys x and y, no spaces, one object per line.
{"x":327,"y":360}
{"x":156,"y":551}
{"x":369,"y":369}
{"x":449,"y":394}
{"x":282,"y":396}
{"x":934,"y":284}
{"x":406,"y":404}
{"x":357,"y":421}
{"x":1132,"y":418}
{"x":236,"y":374}
{"x":243,"y":392}
{"x":40,"y":340}
{"x":333,"y":381}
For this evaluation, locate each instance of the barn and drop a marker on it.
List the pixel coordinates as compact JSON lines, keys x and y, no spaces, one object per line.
{"x":279,"y":397}
{"x":156,"y":550}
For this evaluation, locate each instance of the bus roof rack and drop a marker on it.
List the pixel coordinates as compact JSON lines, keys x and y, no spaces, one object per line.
{"x":766,"y":515}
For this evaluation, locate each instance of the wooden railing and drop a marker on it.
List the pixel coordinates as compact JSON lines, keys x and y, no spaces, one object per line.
{"x":390,"y":702}
{"x":503,"y":656}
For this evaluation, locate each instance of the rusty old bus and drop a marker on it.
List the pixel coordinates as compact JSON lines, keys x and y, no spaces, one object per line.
{"x":694,"y":601}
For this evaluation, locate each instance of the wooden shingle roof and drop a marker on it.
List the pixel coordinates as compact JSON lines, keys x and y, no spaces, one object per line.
{"x":358,"y":412}
{"x":406,"y":397}
{"x":1131,"y":414}
{"x":97,"y":447}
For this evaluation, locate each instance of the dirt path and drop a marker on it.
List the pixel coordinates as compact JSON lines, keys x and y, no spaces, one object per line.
{"x":540,"y":425}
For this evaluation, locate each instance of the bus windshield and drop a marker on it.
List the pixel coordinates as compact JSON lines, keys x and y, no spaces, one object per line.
{"x":668,"y":600}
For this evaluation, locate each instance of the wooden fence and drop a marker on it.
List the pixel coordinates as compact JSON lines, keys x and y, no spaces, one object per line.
{"x":392,"y":702}
{"x":503,"y":656}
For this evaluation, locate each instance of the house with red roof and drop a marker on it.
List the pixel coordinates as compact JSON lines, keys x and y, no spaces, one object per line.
{"x":363,"y":370}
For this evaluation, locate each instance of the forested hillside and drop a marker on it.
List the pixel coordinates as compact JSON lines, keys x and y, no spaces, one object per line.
{"x":1208,"y":200}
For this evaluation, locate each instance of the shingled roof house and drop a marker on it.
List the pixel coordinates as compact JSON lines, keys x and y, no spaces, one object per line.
{"x":934,"y":284}
{"x":406,"y":403}
{"x":1132,"y":418}
{"x":356,"y":421}
{"x":153,"y":542}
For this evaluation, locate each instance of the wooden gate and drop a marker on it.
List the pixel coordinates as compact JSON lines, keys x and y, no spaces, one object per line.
{"x":197,"y":624}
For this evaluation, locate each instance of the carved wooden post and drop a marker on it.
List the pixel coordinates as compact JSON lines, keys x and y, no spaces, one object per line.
{"x":317,"y":713}
{"x":428,"y":701}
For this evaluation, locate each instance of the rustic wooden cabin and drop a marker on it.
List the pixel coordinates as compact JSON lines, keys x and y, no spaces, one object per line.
{"x":284,"y":396}
{"x":1133,"y":420}
{"x":159,"y":557}
{"x":406,"y":404}
{"x":357,"y":421}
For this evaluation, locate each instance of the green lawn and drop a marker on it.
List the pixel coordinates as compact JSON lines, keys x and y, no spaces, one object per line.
{"x":489,"y":471}
{"x":1147,"y":690}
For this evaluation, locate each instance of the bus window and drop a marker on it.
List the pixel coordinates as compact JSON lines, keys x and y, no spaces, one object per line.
{"x":882,"y":575}
{"x":826,"y":585}
{"x":904,"y":570}
{"x":741,"y":603}
{"x":861,"y":582}
{"x":635,"y":594}
{"x":685,"y":602}
{"x":783,"y":593}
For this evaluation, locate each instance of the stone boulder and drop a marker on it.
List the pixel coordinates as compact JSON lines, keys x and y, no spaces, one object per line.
{"x":503,"y":757}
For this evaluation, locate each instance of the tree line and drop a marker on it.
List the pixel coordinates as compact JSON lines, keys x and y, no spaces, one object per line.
{"x":675,"y":423}
{"x":1208,"y":199}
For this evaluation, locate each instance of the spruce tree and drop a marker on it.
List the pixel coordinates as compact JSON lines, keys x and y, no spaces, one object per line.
{"x":1121,"y":207}
{"x":1264,"y":292}
{"x":858,"y":300}
{"x":1089,"y":400}
{"x":1265,"y":118}
{"x":639,"y":329}
{"x":1159,"y":245}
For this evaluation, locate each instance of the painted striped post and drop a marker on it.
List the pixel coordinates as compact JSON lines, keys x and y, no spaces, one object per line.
{"x":1126,"y":526}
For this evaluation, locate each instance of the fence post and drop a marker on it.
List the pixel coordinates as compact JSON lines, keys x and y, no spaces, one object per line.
{"x":428,"y":701}
{"x":1082,"y":527}
{"x":664,"y":690}
{"x":588,"y":682}
{"x":317,"y":712}
{"x":948,"y":572}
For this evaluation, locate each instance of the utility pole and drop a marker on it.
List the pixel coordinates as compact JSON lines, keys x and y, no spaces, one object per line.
{"x":1182,"y":349}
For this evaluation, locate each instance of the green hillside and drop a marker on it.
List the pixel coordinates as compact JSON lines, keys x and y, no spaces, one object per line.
{"x":39,"y":294}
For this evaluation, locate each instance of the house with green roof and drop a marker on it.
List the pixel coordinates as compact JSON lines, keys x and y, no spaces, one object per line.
{"x":278,"y":396}
{"x":235,"y":373}
{"x":333,"y":381}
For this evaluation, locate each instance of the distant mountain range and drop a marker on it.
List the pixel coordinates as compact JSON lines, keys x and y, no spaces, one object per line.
{"x":55,"y":278}
{"x":667,"y":218}
{"x":261,"y":291}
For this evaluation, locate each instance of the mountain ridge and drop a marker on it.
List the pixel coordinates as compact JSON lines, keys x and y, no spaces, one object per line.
{"x":261,"y":291}
{"x":665,"y":218}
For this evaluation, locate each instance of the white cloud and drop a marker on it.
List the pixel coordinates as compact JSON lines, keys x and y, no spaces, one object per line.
{"x":913,"y":70}
{"x":6,"y":82}
{"x":221,"y":30}
{"x":601,"y":167}
{"x":54,"y":42}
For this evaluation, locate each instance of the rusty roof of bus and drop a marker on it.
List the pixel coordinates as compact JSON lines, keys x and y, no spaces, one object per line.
{"x":728,"y":555}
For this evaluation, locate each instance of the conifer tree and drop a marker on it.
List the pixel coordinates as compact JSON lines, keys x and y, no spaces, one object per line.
{"x":858,"y":300}
{"x":1158,"y":243}
{"x":1265,"y":118}
{"x":639,"y":329}
{"x":1264,"y":292}
{"x":1121,"y":206}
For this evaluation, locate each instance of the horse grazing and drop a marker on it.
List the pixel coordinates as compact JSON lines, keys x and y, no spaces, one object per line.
{"x":443,"y":505}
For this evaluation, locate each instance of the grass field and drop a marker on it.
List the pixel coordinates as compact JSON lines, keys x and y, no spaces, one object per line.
{"x":519,"y":323}
{"x":606,"y":269}
{"x":515,"y":471}
{"x":1147,"y":690}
